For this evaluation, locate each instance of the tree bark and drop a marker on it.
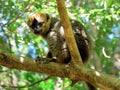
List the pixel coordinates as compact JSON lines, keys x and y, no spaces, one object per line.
{"x":96,"y":78}
{"x":76,"y":58}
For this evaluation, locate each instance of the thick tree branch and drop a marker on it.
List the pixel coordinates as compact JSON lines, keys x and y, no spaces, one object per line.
{"x":98,"y":79}
{"x":76,"y":59}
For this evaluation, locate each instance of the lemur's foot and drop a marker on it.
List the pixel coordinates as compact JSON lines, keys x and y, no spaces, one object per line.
{"x":40,"y":60}
{"x":43,"y":60}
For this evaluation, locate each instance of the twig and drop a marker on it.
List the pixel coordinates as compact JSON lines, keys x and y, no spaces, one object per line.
{"x":32,"y":84}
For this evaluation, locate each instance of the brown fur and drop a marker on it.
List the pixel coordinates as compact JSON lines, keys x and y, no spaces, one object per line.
{"x":53,"y":32}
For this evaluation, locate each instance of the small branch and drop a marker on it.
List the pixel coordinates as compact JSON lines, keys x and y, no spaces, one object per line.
{"x":17,"y":16}
{"x":76,"y":59}
{"x":9,"y":86}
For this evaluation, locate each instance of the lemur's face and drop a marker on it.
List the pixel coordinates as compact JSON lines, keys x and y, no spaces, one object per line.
{"x":39,"y":23}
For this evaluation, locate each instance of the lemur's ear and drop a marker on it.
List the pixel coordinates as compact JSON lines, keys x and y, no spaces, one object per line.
{"x":47,"y":17}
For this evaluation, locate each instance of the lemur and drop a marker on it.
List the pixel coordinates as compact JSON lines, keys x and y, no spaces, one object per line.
{"x":50,"y":28}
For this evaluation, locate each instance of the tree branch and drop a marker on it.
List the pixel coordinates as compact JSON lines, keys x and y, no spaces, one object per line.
{"x":76,"y":58}
{"x":98,"y":79}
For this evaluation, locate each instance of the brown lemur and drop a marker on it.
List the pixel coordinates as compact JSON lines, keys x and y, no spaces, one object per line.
{"x":50,"y":28}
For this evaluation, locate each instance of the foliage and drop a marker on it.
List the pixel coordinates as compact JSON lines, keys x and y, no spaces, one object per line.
{"x":100,"y":17}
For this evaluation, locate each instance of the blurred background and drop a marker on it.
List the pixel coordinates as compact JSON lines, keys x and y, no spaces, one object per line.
{"x":101,"y":18}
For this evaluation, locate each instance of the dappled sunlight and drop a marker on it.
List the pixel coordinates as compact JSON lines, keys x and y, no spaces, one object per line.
{"x":97,"y":73}
{"x":21,"y":59}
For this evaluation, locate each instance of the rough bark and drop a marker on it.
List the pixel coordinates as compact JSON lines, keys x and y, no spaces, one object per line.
{"x":76,"y":58}
{"x":98,"y":79}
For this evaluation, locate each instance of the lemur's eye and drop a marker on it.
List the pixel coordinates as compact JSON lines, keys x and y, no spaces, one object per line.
{"x":41,"y":23}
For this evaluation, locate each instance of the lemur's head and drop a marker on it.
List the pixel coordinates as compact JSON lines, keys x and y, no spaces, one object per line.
{"x":39,"y":23}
